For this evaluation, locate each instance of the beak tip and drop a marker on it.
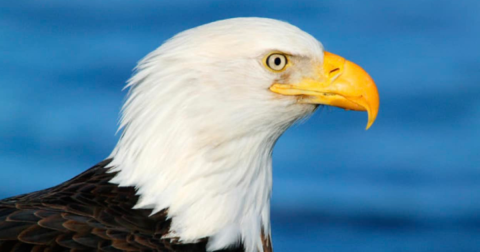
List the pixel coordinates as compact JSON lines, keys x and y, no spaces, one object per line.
{"x":372,"y":116}
{"x":369,"y":124}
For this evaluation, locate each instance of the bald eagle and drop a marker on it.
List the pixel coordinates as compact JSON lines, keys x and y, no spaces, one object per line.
{"x":192,"y":170}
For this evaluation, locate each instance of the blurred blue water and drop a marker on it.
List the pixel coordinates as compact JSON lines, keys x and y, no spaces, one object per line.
{"x":411,"y":183}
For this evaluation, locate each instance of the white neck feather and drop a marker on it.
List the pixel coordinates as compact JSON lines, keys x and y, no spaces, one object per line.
{"x":221,"y":191}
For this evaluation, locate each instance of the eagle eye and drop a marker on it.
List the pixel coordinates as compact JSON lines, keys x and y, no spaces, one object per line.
{"x":276,"y":61}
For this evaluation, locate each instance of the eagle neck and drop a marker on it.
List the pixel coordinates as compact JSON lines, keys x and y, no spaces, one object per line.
{"x":212,"y":186}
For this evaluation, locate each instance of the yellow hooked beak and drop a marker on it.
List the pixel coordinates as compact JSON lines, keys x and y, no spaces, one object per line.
{"x":340,"y":83}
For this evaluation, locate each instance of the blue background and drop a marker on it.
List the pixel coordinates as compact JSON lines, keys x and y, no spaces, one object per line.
{"x":410,"y":183}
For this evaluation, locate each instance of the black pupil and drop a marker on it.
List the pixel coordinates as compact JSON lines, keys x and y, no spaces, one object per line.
{"x":277,"y":61}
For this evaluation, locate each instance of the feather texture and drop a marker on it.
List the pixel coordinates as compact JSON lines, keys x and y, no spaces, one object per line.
{"x":84,"y":214}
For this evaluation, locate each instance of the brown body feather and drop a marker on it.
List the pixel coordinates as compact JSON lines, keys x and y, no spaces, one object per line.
{"x":86,"y":213}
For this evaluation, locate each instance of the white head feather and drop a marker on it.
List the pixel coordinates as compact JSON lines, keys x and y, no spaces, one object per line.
{"x":200,"y":124}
